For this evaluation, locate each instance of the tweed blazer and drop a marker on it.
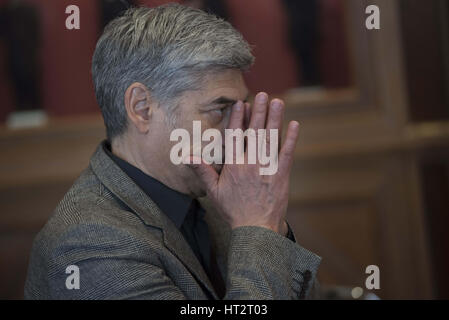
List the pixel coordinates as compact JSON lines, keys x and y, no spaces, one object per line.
{"x":124,"y":247}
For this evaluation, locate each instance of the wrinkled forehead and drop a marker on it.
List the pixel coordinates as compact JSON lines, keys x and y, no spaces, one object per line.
{"x":223,"y":87}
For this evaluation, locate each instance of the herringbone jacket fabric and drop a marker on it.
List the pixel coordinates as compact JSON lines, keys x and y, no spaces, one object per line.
{"x":126,"y":248}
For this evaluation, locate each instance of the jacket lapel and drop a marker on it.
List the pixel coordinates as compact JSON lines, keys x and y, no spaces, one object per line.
{"x":127,"y":191}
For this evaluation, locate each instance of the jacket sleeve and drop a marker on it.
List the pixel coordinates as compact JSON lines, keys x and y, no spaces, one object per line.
{"x":263,"y":264}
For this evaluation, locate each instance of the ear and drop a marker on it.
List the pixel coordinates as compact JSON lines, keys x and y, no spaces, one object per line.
{"x":138,"y":106}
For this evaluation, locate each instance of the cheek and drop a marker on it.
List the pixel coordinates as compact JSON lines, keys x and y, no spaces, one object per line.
{"x":220,"y":125}
{"x":212,"y":119}
{"x":209,"y":120}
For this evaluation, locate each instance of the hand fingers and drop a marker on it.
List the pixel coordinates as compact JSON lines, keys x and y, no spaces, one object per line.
{"x":247,"y":115}
{"x":287,"y":153}
{"x":237,"y":116}
{"x":275,"y":119}
{"x":259,"y":112}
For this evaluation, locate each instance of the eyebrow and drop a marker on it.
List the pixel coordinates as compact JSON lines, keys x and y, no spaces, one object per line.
{"x":226,"y":100}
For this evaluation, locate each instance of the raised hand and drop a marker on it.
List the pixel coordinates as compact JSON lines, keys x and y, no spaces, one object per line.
{"x":242,"y":195}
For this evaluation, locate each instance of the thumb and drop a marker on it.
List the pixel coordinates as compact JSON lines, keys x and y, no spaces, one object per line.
{"x":207,"y":174}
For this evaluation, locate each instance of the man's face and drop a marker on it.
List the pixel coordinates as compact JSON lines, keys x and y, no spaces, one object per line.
{"x":212,"y":106}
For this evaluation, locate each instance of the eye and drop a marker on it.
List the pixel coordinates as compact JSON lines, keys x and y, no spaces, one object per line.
{"x":220,"y":111}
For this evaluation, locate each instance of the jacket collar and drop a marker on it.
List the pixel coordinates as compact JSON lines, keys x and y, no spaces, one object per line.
{"x":115,"y":180}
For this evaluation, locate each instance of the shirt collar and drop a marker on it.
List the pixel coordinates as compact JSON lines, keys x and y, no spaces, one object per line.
{"x":171,"y":202}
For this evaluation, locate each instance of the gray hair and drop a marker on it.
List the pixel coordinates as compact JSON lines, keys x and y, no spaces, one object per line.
{"x":169,"y":49}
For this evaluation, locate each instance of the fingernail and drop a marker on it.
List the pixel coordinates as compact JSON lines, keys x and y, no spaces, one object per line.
{"x":262,"y":97}
{"x":238,"y":106}
{"x":276,"y":105}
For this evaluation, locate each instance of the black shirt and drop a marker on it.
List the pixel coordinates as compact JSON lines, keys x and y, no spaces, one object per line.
{"x":185,"y":212}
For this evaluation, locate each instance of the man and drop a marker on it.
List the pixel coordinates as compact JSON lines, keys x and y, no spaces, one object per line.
{"x":131,"y":227}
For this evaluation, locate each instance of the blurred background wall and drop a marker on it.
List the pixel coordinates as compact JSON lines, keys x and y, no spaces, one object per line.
{"x":371,"y":182}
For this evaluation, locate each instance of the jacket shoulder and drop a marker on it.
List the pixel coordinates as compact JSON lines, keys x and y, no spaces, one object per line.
{"x":88,"y":223}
